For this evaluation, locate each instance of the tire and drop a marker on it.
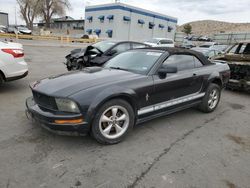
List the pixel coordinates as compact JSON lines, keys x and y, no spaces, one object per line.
{"x":106,"y":128}
{"x":211,"y":99}
{"x":1,"y":79}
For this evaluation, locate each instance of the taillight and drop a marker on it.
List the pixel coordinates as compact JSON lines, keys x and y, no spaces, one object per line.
{"x":15,"y":52}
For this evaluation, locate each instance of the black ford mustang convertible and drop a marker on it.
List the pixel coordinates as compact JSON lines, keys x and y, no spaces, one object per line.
{"x":133,"y":87}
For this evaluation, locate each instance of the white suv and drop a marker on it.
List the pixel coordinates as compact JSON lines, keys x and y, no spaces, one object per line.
{"x":12,"y":64}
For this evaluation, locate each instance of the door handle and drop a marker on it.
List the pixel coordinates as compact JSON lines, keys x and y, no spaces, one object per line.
{"x":194,"y":74}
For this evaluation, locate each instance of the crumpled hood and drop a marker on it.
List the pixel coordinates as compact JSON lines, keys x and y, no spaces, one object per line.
{"x":70,"y":83}
{"x":76,"y":53}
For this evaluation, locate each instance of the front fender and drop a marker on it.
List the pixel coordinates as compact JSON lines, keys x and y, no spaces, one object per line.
{"x":108,"y":94}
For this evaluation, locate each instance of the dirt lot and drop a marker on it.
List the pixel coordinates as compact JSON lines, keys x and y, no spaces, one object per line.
{"x":188,"y":149}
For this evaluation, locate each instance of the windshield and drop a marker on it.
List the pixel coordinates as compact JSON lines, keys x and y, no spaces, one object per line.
{"x":104,"y":45}
{"x":135,"y":61}
{"x":153,"y":41}
{"x":23,"y":28}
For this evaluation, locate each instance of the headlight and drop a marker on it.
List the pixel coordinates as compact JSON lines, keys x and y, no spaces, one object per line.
{"x":67,"y":105}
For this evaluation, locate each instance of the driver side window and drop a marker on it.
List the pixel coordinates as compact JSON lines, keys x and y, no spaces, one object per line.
{"x":182,"y":62}
{"x":121,"y":48}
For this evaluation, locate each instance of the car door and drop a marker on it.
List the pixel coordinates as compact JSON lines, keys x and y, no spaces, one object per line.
{"x":176,"y":85}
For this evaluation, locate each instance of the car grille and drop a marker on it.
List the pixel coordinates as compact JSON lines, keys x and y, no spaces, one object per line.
{"x":44,"y":101}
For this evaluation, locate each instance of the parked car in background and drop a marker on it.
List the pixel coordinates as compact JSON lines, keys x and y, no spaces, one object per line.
{"x":133,"y":87}
{"x":24,"y":30}
{"x":187,"y":44}
{"x":12,"y":29}
{"x":3,"y":29}
{"x":208,"y":45}
{"x":209,"y":53}
{"x":213,"y":45}
{"x":160,"y":42}
{"x":198,"y":38}
{"x":204,"y":38}
{"x":238,"y":59}
{"x":12,"y":64}
{"x":99,"y":53}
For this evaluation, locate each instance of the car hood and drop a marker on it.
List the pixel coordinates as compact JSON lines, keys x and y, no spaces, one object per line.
{"x":67,"y":84}
{"x":77,"y":52}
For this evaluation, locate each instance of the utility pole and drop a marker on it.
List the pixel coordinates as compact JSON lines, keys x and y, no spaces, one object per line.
{"x":15,"y":16}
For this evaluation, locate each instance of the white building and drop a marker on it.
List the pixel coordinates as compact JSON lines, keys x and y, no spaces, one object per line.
{"x":124,"y":22}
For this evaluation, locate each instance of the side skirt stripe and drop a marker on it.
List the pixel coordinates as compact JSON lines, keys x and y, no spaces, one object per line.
{"x":170,"y":103}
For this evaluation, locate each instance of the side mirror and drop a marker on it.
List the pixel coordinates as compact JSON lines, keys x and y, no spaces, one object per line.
{"x":163,"y":71}
{"x":112,"y":52}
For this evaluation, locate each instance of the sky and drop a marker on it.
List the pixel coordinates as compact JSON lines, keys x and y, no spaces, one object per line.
{"x":184,"y":10}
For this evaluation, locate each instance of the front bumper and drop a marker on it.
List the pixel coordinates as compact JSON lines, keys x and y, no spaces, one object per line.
{"x":47,"y":120}
{"x":239,"y":84}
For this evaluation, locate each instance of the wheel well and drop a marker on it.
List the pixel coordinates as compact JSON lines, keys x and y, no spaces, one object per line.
{"x":123,"y":97}
{"x":218,"y":82}
{"x":2,"y":74}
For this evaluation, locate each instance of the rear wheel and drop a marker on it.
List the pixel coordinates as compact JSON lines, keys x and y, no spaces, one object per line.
{"x":113,"y":121}
{"x":1,"y":79}
{"x":211,"y":99}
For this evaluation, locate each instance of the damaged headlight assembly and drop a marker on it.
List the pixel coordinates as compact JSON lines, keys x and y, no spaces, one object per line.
{"x":66,"y":105}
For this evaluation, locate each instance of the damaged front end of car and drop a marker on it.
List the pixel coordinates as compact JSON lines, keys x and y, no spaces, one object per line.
{"x":81,"y":58}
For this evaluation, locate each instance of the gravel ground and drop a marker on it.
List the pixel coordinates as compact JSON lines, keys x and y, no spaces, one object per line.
{"x":187,"y":149}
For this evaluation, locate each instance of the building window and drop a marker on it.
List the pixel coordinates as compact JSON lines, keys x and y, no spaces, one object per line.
{"x":161,"y":26}
{"x":110,"y":33}
{"x":140,"y":21}
{"x":110,"y":17}
{"x":170,"y":29}
{"x":101,"y":18}
{"x":98,"y":32}
{"x":90,"y":19}
{"x":126,"y":18}
{"x":151,"y":25}
{"x":89,"y":31}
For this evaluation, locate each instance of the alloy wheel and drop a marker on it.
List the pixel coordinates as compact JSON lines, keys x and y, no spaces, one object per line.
{"x":213,"y":99}
{"x":114,"y":122}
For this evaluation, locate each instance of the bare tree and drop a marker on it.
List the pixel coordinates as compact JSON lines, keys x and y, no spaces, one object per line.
{"x":53,"y":7}
{"x":29,"y":10}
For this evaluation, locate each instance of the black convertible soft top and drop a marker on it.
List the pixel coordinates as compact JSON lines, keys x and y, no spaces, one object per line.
{"x":173,"y":51}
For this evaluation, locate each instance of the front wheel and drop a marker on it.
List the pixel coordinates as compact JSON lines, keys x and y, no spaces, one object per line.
{"x":211,"y":99}
{"x":113,"y":121}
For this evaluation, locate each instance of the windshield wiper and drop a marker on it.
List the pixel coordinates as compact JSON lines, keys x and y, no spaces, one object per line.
{"x":119,"y":68}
